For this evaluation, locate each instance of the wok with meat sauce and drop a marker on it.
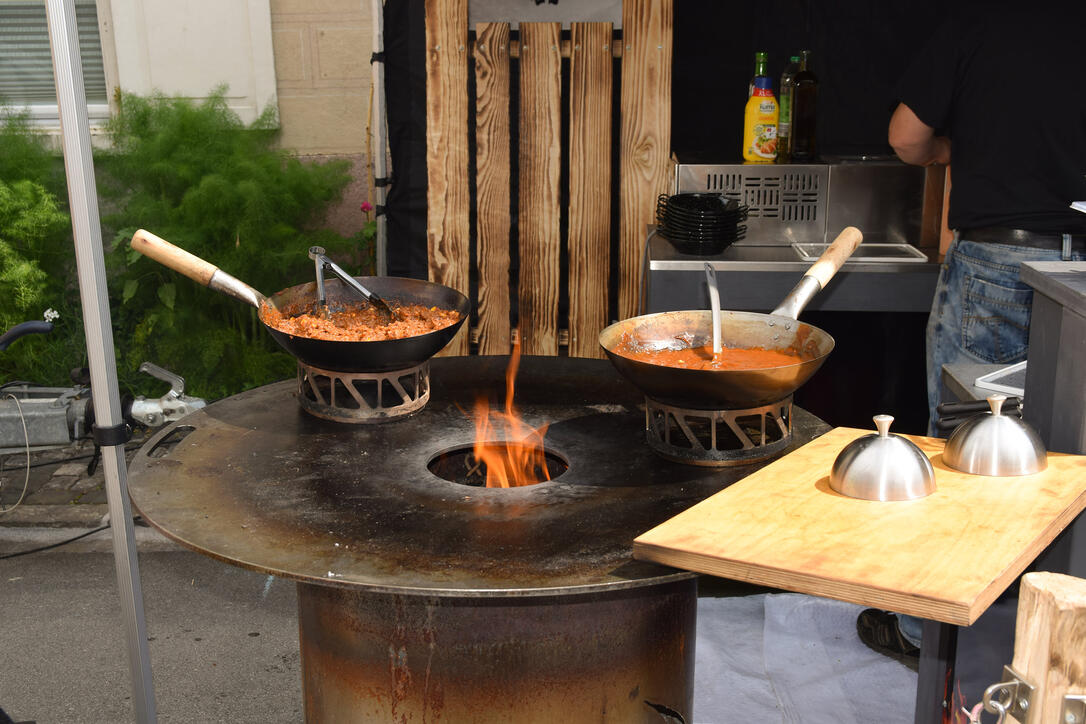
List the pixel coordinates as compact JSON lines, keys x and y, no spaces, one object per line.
{"x":640,"y":347}
{"x":357,"y":352}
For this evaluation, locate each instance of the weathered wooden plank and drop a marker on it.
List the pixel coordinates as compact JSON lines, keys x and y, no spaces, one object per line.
{"x":538,"y":198}
{"x":447,"y":194}
{"x":565,"y":48}
{"x":590,"y":82}
{"x":492,"y":184}
{"x":646,"y":133}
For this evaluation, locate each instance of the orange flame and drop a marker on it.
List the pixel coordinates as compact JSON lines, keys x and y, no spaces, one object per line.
{"x":957,"y":713}
{"x":518,"y":459}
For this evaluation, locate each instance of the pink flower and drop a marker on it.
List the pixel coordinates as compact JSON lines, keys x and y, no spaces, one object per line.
{"x":367,"y":206}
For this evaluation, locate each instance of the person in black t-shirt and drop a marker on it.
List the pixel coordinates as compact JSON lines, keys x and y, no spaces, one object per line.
{"x":999,"y":94}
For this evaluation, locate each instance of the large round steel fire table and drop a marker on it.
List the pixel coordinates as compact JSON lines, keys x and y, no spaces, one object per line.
{"x":423,"y":599}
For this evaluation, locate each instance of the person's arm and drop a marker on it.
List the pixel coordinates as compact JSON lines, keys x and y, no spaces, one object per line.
{"x":914,"y":141}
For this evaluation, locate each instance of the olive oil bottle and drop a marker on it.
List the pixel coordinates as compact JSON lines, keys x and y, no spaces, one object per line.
{"x":760,"y":119}
{"x":784,"y":99}
{"x":804,"y":106}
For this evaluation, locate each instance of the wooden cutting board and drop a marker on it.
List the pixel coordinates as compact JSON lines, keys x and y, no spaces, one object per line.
{"x":944,"y":557}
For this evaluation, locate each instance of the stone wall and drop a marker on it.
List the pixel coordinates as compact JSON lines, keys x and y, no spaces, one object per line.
{"x":323,"y":79}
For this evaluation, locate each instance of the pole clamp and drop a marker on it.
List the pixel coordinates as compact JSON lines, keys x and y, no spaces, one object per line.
{"x":1011,"y":696}
{"x":111,"y":436}
{"x":1073,"y":710}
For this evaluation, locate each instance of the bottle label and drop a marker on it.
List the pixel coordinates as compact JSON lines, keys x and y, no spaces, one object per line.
{"x":764,"y":143}
{"x":760,"y":124}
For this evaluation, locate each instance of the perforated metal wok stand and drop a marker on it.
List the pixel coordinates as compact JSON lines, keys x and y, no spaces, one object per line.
{"x":363,"y":397}
{"x":718,"y":438}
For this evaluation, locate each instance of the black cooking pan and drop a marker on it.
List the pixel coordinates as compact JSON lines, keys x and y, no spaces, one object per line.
{"x":731,"y":389}
{"x":332,"y":355}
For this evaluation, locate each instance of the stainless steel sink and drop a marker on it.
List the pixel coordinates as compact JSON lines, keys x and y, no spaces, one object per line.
{"x":867,"y":253}
{"x":795,"y":257}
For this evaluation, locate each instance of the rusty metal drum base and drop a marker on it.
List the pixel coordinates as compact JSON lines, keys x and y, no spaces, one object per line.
{"x":621,"y":656}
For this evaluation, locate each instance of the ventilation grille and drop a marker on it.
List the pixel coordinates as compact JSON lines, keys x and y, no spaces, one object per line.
{"x":786,"y":204}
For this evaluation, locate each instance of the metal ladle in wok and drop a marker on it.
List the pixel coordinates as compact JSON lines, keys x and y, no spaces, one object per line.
{"x":712,"y":389}
{"x":332,"y":355}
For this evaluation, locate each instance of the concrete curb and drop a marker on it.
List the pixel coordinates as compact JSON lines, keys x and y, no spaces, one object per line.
{"x":17,"y":539}
{"x":55,"y":516}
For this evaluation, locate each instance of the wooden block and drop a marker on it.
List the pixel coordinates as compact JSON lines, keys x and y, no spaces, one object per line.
{"x":945,"y":557}
{"x":931,"y":219}
{"x":946,"y":234}
{"x":1050,"y":641}
{"x":589,"y":185}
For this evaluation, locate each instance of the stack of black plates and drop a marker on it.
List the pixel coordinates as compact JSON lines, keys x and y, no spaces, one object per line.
{"x":700,"y":223}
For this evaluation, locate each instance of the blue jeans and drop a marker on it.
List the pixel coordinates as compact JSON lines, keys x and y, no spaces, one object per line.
{"x":980,"y":314}
{"x":911,"y":628}
{"x":981,"y":310}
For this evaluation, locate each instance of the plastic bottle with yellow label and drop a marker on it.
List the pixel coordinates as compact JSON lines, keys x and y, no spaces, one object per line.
{"x":760,"y":121}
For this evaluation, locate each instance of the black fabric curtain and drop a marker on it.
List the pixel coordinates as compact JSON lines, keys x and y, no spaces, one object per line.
{"x":860,"y":49}
{"x":405,"y":90}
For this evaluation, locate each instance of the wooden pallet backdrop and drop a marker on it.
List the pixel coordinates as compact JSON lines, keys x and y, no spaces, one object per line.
{"x":644,"y":48}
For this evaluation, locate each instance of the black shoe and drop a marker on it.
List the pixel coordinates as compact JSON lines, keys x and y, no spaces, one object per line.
{"x":879,"y":631}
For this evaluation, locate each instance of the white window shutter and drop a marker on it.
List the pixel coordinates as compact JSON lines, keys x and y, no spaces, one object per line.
{"x":26,"y":63}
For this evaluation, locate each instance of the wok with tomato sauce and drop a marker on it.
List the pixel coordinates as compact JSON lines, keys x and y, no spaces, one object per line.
{"x":669,"y":357}
{"x":703,"y":358}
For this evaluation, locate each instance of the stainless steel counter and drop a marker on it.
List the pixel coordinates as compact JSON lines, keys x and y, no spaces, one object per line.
{"x":756,"y":278}
{"x":959,"y":379}
{"x":1056,"y":375}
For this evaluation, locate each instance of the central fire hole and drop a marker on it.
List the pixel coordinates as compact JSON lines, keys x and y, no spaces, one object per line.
{"x":461,"y":466}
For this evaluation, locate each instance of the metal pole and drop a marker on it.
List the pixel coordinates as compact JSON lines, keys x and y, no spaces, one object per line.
{"x":379,"y":149}
{"x":83,"y":200}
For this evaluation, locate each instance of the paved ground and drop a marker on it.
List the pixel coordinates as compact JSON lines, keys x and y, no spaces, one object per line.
{"x":60,"y":492}
{"x":223,"y":641}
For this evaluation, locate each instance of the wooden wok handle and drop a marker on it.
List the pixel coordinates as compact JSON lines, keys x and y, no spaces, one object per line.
{"x":174,"y":257}
{"x":836,"y":254}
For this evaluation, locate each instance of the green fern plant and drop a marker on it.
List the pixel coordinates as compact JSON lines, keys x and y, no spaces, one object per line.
{"x":33,"y":254}
{"x":36,"y":256}
{"x":194,"y":174}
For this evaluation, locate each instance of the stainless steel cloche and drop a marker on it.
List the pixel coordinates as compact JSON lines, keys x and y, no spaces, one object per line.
{"x":883,"y":467}
{"x":995,"y":444}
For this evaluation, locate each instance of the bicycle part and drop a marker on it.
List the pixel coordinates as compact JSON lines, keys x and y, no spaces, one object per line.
{"x":23,"y":329}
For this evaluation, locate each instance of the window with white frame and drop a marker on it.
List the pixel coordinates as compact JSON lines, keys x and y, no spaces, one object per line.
{"x":142,"y":46}
{"x":26,"y":64}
